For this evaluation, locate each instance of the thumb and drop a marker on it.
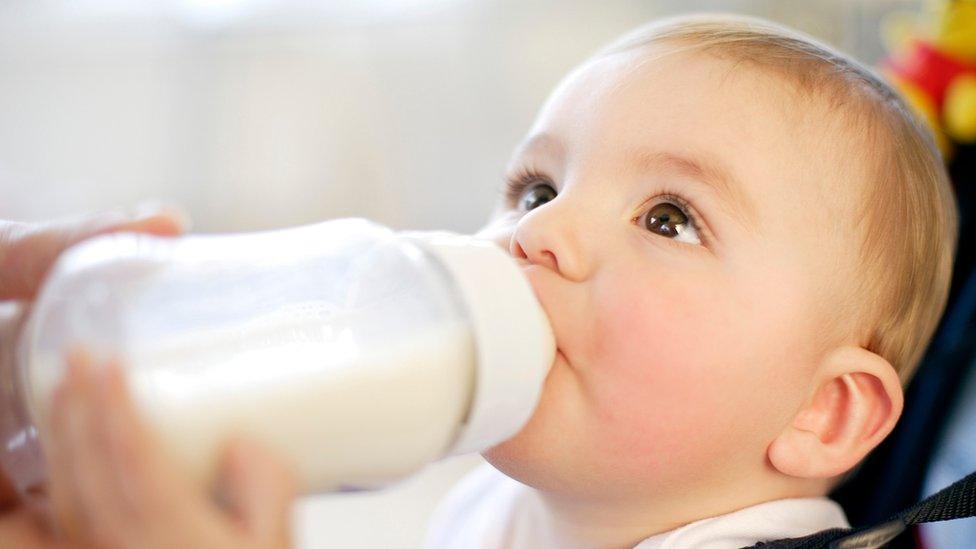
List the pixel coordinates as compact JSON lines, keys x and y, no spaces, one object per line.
{"x":258,"y":490}
{"x":27,"y":251}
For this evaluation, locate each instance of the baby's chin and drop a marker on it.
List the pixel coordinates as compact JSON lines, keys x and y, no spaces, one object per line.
{"x":560,"y":449}
{"x":541,"y":455}
{"x":555,"y":467}
{"x":524,"y":455}
{"x":517,"y":459}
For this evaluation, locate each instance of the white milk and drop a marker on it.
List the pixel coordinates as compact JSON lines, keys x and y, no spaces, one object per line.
{"x":342,"y":416}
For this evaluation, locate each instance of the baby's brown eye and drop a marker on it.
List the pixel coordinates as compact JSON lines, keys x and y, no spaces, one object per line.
{"x":536,"y":196}
{"x":666,"y":220}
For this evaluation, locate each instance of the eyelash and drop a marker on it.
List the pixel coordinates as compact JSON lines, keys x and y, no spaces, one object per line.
{"x":518,"y":182}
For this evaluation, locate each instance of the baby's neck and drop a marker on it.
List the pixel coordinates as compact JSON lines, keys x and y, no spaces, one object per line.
{"x":602,"y":524}
{"x":617,"y":523}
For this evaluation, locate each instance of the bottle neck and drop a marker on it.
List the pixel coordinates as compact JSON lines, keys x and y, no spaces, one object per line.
{"x":514,"y":342}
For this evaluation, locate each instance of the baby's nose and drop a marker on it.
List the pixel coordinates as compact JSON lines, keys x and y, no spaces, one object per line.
{"x":544,"y":258}
{"x":540,"y":238}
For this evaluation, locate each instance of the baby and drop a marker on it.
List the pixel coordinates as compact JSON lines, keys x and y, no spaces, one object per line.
{"x":743,"y":241}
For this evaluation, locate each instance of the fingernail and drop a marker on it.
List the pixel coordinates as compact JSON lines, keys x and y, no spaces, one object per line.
{"x":153,"y":208}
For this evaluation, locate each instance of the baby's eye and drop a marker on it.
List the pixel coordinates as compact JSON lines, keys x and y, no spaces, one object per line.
{"x":536,"y":195}
{"x":670,"y":221}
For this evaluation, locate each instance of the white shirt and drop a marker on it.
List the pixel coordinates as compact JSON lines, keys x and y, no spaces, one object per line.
{"x":488,"y":510}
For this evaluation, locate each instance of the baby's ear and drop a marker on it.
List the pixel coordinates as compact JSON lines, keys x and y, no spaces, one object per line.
{"x":855,"y":403}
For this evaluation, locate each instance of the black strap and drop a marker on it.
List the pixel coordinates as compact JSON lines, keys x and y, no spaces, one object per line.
{"x":953,"y":502}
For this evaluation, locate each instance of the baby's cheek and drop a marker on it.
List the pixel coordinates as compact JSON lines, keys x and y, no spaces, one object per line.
{"x":658,"y":381}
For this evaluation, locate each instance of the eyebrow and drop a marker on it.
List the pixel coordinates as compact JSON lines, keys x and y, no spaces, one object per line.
{"x":543,"y":144}
{"x":707,"y":171}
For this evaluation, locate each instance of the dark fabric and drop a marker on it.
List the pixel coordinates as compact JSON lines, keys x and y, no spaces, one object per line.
{"x":953,"y":502}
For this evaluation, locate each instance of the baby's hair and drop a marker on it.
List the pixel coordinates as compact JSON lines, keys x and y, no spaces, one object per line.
{"x":908,"y":213}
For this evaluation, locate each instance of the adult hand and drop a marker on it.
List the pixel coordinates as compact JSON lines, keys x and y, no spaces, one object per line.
{"x":27,"y":252}
{"x":113,"y":485}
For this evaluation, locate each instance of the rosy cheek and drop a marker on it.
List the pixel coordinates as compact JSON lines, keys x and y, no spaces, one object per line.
{"x":655,"y":384}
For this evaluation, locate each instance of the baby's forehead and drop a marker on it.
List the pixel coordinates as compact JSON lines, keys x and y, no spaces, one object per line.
{"x":767,"y":132}
{"x":724,"y":86}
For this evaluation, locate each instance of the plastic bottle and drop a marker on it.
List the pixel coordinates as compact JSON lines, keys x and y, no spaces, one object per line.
{"x":356,"y":353}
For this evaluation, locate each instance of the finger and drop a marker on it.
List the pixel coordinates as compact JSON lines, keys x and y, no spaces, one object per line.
{"x":156,"y":497}
{"x":104,"y":516}
{"x":8,"y":493}
{"x":93,"y":508}
{"x":259,"y":490}
{"x":127,"y":495}
{"x":27,"y":251}
{"x":107,"y":498}
{"x":21,"y":529}
{"x":66,"y":495}
{"x":12,"y":317}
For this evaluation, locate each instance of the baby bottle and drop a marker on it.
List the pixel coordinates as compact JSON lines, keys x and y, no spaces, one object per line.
{"x":356,"y":353}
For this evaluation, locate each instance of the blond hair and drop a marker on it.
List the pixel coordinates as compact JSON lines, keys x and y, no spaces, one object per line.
{"x":908,"y":213}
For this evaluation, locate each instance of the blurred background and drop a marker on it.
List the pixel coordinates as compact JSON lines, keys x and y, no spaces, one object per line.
{"x":254,"y":114}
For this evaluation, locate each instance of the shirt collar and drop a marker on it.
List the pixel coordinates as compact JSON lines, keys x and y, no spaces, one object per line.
{"x":785,"y":518}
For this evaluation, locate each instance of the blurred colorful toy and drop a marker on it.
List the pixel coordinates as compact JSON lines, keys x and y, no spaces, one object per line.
{"x":933,"y":63}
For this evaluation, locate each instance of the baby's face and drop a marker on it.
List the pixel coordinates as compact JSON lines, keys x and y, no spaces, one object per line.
{"x":677,"y":216}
